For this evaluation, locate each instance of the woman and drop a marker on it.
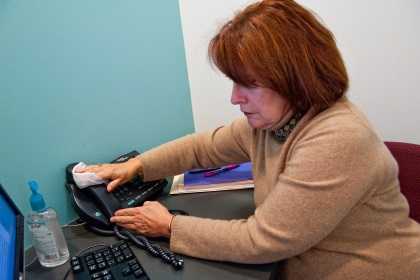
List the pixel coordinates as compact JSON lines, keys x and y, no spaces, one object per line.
{"x":326,"y":188}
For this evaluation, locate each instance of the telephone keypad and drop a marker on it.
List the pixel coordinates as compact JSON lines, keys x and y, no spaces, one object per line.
{"x":136,"y":192}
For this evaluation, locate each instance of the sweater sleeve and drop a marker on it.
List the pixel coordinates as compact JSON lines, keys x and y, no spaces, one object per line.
{"x":326,"y":174}
{"x":225,"y":145}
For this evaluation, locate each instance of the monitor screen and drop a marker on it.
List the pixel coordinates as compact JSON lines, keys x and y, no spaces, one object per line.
{"x":11,"y":238}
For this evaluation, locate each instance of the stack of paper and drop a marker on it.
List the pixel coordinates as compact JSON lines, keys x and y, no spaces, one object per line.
{"x":238,"y":178}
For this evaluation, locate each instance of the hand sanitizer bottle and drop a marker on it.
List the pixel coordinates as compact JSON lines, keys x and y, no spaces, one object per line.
{"x":47,"y":236}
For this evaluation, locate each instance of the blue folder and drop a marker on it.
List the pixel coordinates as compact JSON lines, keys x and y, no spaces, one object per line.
{"x":241,"y":173}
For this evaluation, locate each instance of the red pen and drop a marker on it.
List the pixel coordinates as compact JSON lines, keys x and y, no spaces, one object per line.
{"x":220,"y":170}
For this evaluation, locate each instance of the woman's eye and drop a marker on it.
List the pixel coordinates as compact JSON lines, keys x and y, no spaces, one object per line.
{"x":250,"y":86}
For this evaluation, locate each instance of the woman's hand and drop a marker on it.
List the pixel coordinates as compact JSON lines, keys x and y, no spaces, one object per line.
{"x":152,"y":219}
{"x":117,"y":173}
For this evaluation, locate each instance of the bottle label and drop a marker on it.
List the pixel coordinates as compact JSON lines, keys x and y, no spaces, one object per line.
{"x":44,"y":241}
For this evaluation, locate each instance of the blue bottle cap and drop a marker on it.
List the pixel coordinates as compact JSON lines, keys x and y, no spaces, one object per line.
{"x":36,"y":199}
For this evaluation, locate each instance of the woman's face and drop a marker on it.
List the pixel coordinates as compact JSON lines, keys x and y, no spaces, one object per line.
{"x":262,"y":106}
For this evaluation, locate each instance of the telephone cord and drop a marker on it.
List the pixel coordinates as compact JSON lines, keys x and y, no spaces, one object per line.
{"x":155,"y":250}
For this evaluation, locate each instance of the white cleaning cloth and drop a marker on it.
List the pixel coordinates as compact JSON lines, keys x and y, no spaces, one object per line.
{"x":85,"y":179}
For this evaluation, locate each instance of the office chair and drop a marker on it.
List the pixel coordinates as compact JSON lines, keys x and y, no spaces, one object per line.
{"x":408,"y":159}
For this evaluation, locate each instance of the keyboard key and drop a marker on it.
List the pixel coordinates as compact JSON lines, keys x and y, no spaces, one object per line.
{"x":117,"y":253}
{"x":77,"y":268}
{"x":138,"y":273}
{"x":92,"y":268}
{"x":126,"y":271}
{"x":115,"y":248}
{"x":132,"y":262}
{"x":98,"y":255}
{"x":101,"y":265}
{"x":127,"y":253}
{"x":135,"y":267}
{"x":96,"y":275}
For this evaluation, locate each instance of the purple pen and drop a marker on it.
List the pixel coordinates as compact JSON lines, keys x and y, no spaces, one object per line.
{"x":194,"y":171}
{"x":220,"y":170}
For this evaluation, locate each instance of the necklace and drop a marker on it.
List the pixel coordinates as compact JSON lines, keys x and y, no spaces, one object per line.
{"x":283,"y":132}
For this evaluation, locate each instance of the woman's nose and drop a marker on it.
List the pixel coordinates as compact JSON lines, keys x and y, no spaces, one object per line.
{"x":237,"y":97}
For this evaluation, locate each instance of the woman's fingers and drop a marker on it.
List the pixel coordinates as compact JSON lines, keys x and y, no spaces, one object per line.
{"x":114,"y":184}
{"x":152,"y":219}
{"x":85,"y":169}
{"x":91,"y":168}
{"x":128,"y":218}
{"x":116,"y":173}
{"x":123,"y":219}
{"x":127,"y":211}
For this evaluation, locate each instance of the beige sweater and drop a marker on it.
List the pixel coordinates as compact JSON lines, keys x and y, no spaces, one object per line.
{"x":327,"y":200}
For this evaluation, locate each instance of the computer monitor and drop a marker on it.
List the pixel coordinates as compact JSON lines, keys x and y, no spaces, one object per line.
{"x":11,"y":238}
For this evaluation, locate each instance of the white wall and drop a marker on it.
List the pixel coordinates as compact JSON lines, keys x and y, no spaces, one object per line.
{"x":379,"y":42}
{"x":210,"y":90}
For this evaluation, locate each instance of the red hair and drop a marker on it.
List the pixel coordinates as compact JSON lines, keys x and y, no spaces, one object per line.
{"x":280,"y":45}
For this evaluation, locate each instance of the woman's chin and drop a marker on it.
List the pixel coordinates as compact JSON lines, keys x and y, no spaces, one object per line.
{"x":254,"y":123}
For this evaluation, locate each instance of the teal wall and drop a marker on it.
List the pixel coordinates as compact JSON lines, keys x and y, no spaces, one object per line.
{"x":86,"y":80}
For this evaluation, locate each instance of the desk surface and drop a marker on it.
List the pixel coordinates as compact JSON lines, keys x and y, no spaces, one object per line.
{"x":221,"y":205}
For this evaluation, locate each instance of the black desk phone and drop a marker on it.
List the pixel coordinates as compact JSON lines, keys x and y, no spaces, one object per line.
{"x":95,"y":205}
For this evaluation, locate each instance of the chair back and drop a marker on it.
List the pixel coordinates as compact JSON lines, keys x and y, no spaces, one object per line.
{"x":408,"y":159}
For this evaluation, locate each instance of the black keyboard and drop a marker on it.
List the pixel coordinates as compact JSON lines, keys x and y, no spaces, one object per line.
{"x":114,"y":262}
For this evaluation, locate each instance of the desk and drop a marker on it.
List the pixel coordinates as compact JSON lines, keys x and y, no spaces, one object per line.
{"x":222,"y":205}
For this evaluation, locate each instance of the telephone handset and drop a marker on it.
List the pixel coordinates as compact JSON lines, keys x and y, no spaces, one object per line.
{"x":95,"y":205}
